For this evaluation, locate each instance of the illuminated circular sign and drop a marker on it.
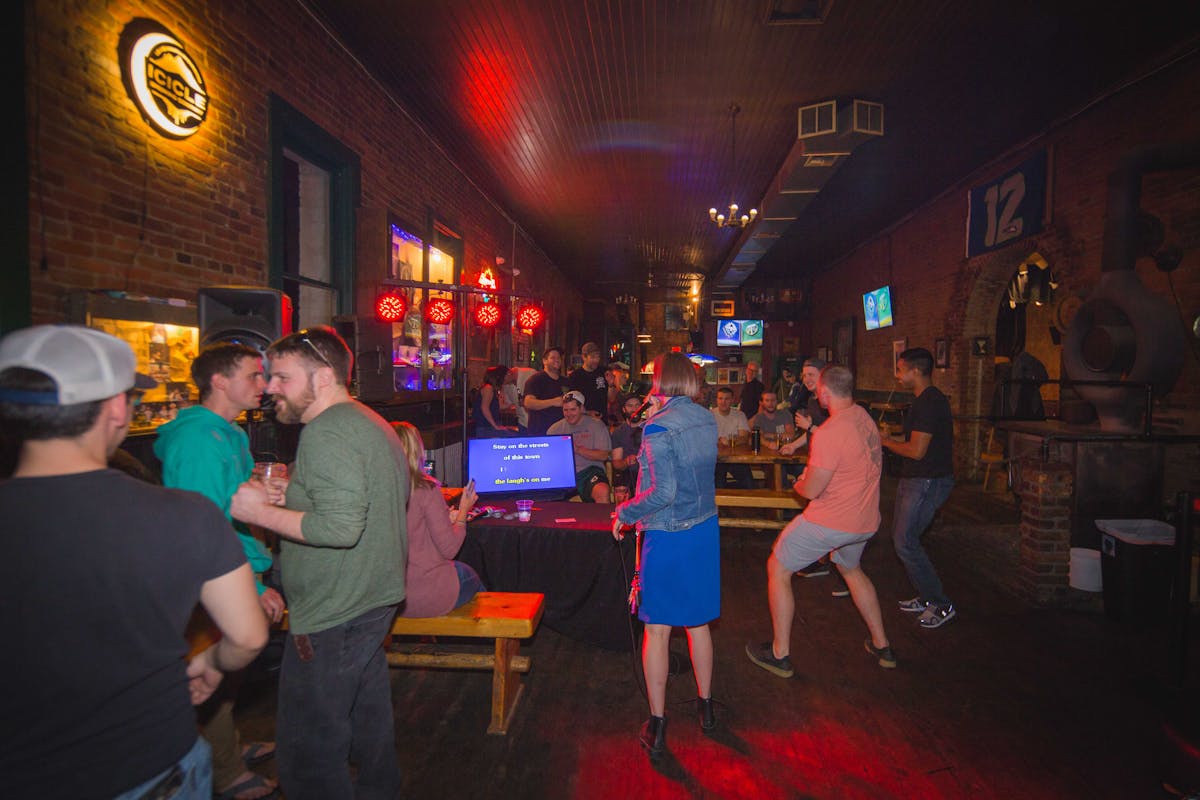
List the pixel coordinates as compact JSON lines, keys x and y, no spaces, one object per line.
{"x":487,"y":314}
{"x":389,"y":307}
{"x":439,"y":311}
{"x":530,"y":317}
{"x":162,"y":79}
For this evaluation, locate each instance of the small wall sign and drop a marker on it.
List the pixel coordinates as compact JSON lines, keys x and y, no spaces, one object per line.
{"x":163,"y":81}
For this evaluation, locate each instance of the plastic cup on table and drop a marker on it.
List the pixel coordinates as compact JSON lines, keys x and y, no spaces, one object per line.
{"x":524,"y":510}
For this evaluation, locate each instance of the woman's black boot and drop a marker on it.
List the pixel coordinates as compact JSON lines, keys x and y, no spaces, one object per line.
{"x":654,"y":736}
{"x":708,"y":720}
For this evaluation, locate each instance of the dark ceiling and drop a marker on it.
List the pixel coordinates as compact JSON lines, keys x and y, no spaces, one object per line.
{"x":604,"y":126}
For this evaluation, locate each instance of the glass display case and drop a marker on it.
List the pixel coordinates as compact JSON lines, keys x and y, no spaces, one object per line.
{"x":422,"y":348}
{"x":165,"y":336}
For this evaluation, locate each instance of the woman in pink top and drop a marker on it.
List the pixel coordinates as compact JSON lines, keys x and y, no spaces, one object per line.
{"x":435,"y":582}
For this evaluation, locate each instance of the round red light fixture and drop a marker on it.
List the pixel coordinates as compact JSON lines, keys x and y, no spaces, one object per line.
{"x":487,"y":314}
{"x":530,"y":317}
{"x":390,"y":307}
{"x":439,"y":311}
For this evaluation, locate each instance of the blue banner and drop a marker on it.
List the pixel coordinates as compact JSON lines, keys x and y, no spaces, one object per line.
{"x":1008,"y":208}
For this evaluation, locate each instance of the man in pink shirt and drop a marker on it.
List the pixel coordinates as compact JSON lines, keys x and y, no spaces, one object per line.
{"x":841,"y":483}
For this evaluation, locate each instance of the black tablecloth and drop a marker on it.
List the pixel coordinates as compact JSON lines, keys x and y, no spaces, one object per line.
{"x":577,"y":565}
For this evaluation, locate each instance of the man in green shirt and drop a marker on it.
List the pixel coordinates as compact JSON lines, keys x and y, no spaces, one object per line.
{"x":342,"y":521}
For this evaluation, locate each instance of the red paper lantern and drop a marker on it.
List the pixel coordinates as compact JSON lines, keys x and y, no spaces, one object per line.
{"x":530,"y":317}
{"x":439,"y":311}
{"x":487,"y":314}
{"x":390,"y":307}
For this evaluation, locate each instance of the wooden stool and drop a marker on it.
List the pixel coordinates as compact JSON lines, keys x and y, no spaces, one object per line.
{"x":991,"y":459}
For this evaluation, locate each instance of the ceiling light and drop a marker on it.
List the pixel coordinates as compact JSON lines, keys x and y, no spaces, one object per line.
{"x":733,"y":220}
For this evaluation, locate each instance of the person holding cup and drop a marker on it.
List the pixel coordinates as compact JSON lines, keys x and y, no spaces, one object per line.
{"x":205,"y":451}
{"x":436,"y":583}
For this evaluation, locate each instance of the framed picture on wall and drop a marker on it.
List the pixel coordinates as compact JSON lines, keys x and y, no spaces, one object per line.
{"x":941,"y":353}
{"x":898,"y":347}
{"x":825,"y":354}
{"x":843,"y":342}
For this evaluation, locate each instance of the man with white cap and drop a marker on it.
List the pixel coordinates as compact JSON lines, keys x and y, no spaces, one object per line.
{"x":114,"y":566}
{"x":593,"y":445}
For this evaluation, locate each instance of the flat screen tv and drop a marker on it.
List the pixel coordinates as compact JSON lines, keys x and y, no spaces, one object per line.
{"x":877,"y":308}
{"x":740,"y":333}
{"x":521,"y":465}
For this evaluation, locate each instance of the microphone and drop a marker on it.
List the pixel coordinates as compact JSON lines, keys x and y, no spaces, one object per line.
{"x":642,"y":411}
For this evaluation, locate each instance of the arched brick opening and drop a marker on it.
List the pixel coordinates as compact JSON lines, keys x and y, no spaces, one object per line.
{"x":989,"y":276}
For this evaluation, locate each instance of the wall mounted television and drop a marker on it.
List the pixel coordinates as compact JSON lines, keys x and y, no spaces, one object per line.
{"x":740,"y":333}
{"x":521,"y":465}
{"x":877,"y":308}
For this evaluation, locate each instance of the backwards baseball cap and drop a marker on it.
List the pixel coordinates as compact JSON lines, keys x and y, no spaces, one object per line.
{"x":85,"y":364}
{"x":575,"y":395}
{"x":589,"y":348}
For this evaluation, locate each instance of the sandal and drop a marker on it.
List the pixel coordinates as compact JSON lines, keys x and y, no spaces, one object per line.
{"x":250,"y":784}
{"x":256,"y":753}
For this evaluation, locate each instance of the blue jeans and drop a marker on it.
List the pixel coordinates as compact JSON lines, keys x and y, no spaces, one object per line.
{"x":917,"y":500}
{"x":469,"y":583}
{"x":194,"y":781}
{"x":335,"y":707}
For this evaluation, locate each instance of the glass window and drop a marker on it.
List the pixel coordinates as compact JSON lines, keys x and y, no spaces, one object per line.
{"x":423,"y":350}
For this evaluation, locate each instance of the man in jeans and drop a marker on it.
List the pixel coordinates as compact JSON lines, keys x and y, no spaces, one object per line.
{"x":926,"y":478}
{"x":112,"y":567}
{"x":343,"y":554}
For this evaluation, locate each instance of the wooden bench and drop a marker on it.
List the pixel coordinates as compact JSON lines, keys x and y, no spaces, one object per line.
{"x":778,"y":500}
{"x":506,"y":617}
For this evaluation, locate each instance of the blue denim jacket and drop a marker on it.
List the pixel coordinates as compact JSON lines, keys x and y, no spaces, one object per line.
{"x":676,"y":464}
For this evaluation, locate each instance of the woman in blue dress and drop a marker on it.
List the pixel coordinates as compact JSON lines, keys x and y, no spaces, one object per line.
{"x":676,"y":512}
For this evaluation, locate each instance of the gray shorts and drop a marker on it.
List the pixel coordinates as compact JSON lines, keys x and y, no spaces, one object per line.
{"x":802,"y":543}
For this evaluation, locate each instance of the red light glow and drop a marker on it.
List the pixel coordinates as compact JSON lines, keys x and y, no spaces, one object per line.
{"x":439,"y":311}
{"x":389,"y":307}
{"x":530,"y":317}
{"x":487,"y":314}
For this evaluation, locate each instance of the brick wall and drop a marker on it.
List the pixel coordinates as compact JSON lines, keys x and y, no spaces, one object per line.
{"x":937,"y":292}
{"x":1045,"y":531}
{"x":115,"y":205}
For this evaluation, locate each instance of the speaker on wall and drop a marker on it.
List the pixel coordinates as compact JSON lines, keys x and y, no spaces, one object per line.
{"x":248,"y":314}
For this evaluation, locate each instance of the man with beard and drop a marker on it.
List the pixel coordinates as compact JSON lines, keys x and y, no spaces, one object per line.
{"x":343,"y":523}
{"x":544,"y":393}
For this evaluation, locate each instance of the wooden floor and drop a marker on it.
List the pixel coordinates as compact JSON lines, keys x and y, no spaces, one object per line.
{"x":1005,"y":702}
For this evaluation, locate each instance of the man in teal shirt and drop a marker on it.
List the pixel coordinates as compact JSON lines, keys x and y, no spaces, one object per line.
{"x":204,"y":450}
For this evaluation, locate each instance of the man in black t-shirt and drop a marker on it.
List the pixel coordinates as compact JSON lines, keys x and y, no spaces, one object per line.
{"x":590,"y":381}
{"x":544,"y":393}
{"x":115,"y":567}
{"x":752,"y":391}
{"x":927,"y":476}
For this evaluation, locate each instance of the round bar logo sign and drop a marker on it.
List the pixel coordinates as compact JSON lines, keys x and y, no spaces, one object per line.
{"x":162,"y":79}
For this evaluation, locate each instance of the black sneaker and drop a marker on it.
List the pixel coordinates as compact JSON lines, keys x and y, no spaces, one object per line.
{"x":887,"y":659}
{"x":937,"y":616}
{"x":813,"y":570}
{"x":841,"y":590}
{"x":764,"y":655}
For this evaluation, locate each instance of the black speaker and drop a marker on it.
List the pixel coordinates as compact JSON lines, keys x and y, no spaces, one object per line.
{"x":247,"y":314}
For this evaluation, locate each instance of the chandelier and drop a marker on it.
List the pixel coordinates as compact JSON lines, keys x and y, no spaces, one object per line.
{"x":733,"y":219}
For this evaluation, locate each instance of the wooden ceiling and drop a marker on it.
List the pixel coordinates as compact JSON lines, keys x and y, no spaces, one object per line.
{"x":604,"y":125}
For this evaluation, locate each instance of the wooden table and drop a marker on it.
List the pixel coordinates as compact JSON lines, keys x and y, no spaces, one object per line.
{"x":772,"y":461}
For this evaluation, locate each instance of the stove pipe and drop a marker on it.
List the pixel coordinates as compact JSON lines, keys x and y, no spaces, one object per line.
{"x":1123,"y":331}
